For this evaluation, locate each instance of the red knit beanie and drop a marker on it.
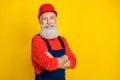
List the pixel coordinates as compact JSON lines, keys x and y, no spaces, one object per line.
{"x":46,"y":8}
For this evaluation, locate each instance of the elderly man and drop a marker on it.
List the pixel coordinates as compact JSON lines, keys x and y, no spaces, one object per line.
{"x":51,"y":54}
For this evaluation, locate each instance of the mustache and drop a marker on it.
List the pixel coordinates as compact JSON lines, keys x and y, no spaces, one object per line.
{"x":47,"y":25}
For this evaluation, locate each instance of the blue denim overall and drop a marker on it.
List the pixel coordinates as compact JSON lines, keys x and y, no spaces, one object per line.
{"x":58,"y":74}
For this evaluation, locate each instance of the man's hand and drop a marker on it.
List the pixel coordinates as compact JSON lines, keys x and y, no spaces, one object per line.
{"x":66,"y":65}
{"x":49,"y":54}
{"x":62,"y":60}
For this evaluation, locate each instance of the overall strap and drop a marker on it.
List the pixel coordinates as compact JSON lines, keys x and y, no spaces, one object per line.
{"x":61,"y":42}
{"x":48,"y":45}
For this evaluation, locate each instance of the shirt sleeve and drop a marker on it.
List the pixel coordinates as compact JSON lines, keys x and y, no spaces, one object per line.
{"x":38,"y":48}
{"x":69,"y":53}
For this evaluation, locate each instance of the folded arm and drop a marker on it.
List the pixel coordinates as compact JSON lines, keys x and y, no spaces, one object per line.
{"x":46,"y":61}
{"x":63,"y":61}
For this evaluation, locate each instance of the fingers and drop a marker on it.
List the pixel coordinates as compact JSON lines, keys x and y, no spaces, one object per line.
{"x":48,"y":54}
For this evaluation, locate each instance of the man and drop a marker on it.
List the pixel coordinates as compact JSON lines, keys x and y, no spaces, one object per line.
{"x":51,"y":54}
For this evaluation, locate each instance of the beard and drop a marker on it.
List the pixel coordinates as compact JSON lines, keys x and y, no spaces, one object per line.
{"x":49,"y":33}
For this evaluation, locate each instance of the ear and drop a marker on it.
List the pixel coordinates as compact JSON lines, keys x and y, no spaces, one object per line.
{"x":39,"y":19}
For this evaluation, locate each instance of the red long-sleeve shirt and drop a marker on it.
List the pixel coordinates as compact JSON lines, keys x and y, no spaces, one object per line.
{"x":41,"y":60}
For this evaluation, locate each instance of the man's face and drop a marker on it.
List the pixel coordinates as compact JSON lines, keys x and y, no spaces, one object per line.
{"x":48,"y":18}
{"x":48,"y":25}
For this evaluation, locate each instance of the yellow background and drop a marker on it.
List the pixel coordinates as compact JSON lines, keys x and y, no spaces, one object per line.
{"x":91,"y":27}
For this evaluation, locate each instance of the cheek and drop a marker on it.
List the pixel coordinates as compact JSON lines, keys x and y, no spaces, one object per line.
{"x":53,"y":21}
{"x":43,"y":22}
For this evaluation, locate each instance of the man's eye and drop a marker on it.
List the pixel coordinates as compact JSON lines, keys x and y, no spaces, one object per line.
{"x":52,"y":17}
{"x":44,"y":18}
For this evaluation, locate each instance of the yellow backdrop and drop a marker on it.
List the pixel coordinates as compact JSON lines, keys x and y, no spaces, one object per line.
{"x":91,"y":28}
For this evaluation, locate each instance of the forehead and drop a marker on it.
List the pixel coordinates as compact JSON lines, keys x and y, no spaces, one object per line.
{"x":48,"y":14}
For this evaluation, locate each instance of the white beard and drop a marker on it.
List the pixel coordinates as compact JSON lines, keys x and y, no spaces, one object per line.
{"x":49,"y":33}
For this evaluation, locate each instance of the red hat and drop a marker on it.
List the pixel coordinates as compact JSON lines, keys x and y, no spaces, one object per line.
{"x":46,"y":8}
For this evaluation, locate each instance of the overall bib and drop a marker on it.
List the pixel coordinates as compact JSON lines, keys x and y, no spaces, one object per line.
{"x":58,"y":74}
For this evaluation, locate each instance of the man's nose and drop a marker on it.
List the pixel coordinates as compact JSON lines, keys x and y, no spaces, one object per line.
{"x":48,"y":21}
